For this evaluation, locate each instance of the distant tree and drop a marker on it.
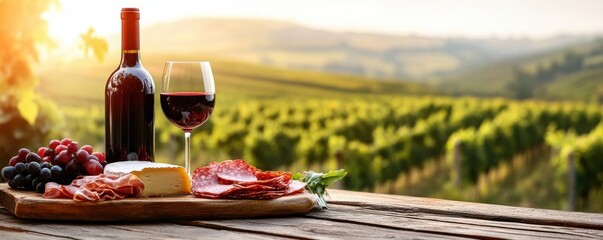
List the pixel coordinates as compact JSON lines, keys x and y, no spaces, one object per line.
{"x":572,"y":62}
{"x":522,"y":84}
{"x":25,"y":117}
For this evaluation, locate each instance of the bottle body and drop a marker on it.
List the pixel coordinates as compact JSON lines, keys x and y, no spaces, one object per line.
{"x":129,"y":102}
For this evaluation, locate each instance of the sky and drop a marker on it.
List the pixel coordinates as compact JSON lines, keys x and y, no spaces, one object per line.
{"x":440,"y":18}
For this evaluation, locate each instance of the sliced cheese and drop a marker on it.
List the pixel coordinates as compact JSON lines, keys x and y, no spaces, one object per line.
{"x":160,"y":179}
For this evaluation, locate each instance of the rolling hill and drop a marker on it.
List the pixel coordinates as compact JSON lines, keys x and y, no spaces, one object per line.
{"x":289,"y":45}
{"x":574,"y":73}
{"x":81,"y":81}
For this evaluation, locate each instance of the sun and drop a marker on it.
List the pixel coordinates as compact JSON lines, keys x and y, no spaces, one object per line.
{"x":60,"y":27}
{"x":72,"y":18}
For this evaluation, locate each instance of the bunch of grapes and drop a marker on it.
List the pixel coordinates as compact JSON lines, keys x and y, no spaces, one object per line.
{"x":32,"y":175}
{"x":60,"y":162}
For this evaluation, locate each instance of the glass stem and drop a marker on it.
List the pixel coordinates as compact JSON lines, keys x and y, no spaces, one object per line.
{"x":187,"y":152}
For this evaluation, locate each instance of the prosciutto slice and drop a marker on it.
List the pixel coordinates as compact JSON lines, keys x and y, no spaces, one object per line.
{"x":236,"y":179}
{"x":97,"y":188}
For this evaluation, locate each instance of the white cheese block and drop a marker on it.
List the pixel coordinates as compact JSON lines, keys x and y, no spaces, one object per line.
{"x":160,"y":179}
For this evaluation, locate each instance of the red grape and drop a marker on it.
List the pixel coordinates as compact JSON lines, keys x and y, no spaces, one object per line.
{"x":33,"y":157}
{"x":88,"y":149}
{"x":92,"y":157}
{"x":64,"y":157}
{"x":82,"y":156}
{"x":54,"y":143}
{"x":72,"y":147}
{"x":48,"y":153}
{"x":47,"y":159}
{"x":14,"y":160}
{"x":100,"y":156}
{"x":41,"y":151}
{"x":66,"y":141}
{"x":23,"y":153}
{"x":56,"y":160}
{"x":60,"y":149}
{"x":72,"y":168}
{"x":93,"y":167}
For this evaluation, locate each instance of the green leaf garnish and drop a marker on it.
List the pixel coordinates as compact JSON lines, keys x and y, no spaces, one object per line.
{"x":317,"y":183}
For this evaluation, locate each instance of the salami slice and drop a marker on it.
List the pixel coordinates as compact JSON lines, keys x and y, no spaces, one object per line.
{"x":278,"y":182}
{"x":295,"y":187}
{"x":266,"y":175}
{"x":236,"y":179}
{"x":205,"y":182}
{"x":257,"y":195}
{"x":236,"y":171}
{"x":204,"y":177}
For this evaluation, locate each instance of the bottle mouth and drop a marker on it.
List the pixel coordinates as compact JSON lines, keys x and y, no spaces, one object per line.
{"x":130,"y":10}
{"x":130,"y":13}
{"x":199,"y":62}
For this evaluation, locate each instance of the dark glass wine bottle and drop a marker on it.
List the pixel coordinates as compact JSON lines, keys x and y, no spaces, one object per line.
{"x":129,"y":100}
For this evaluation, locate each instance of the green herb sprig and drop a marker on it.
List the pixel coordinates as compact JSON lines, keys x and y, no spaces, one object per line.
{"x":317,"y":183}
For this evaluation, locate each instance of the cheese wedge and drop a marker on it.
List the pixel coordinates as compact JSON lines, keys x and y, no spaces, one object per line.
{"x":160,"y":179}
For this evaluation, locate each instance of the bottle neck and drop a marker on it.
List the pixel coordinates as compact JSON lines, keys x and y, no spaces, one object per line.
{"x":130,"y":58}
{"x":130,"y":38}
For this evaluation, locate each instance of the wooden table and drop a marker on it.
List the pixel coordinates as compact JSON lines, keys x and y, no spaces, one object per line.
{"x":351,"y":215}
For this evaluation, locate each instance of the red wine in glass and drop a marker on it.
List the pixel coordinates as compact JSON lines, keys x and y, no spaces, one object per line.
{"x":187,"y":110}
{"x":187,"y":98}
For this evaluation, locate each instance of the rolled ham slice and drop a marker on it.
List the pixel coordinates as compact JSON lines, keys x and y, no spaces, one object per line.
{"x":97,"y":188}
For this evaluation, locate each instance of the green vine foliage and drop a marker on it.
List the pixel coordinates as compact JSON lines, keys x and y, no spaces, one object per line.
{"x":26,"y":118}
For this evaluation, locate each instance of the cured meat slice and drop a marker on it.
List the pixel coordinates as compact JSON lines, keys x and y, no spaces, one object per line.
{"x":215,"y":190}
{"x":295,"y":187}
{"x":97,"y":188}
{"x":257,"y":195}
{"x":236,"y":179}
{"x":266,"y":175}
{"x":236,"y":171}
{"x":55,"y":190}
{"x":205,"y":182}
{"x":278,"y":182}
{"x":205,"y":176}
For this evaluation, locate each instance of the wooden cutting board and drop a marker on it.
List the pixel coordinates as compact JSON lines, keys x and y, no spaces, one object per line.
{"x":26,"y":204}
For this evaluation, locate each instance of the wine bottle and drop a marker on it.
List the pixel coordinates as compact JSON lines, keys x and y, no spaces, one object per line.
{"x":129,"y":100}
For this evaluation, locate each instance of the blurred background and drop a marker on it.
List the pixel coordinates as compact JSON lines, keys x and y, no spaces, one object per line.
{"x":488,"y":101}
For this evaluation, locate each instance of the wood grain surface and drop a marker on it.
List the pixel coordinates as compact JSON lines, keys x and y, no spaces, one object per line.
{"x":25,"y":204}
{"x":351,"y":215}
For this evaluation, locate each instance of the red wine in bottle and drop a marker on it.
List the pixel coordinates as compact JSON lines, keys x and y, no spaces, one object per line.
{"x":129,"y":100}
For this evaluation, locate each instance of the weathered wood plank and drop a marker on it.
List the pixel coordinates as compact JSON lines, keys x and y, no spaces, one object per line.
{"x":352,"y":215}
{"x":466,"y":209}
{"x":445,"y":224}
{"x":8,"y":234}
{"x":307,"y":228}
{"x":123,"y":230}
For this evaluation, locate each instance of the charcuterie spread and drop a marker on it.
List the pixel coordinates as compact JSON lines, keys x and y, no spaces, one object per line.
{"x":82,"y":179}
{"x":63,"y":170}
{"x":238,"y":180}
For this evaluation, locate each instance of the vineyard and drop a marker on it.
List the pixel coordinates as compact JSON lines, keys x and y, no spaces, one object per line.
{"x":379,"y":138}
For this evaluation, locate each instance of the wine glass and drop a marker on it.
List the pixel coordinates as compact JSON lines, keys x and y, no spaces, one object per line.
{"x":187,"y":98}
